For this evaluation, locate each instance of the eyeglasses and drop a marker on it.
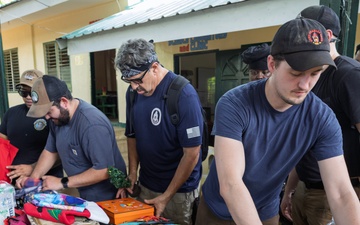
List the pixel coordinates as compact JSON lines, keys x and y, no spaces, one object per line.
{"x":137,"y":80}
{"x":255,"y":73}
{"x":332,"y":40}
{"x":24,"y":93}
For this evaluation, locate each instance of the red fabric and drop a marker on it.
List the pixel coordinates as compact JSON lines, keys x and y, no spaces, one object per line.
{"x":7,"y":155}
{"x":54,"y":215}
{"x":20,"y":218}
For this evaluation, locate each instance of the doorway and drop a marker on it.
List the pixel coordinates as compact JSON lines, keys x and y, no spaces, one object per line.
{"x":103,"y":82}
{"x":212,"y":73}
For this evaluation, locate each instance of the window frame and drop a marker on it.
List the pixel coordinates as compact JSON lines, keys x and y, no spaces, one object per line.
{"x":57,"y":62}
{"x":11,"y":67}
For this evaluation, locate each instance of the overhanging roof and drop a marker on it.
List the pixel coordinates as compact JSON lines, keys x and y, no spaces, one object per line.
{"x":150,"y":10}
{"x":176,"y":19}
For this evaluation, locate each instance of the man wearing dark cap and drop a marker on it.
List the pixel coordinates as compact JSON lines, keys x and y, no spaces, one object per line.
{"x":339,"y":89}
{"x":262,"y":129}
{"x":169,"y":156}
{"x":27,"y":134}
{"x":256,"y":58}
{"x":81,"y":136}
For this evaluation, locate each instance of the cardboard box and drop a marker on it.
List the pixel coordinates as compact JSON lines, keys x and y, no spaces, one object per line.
{"x":125,"y":210}
{"x":7,"y":200}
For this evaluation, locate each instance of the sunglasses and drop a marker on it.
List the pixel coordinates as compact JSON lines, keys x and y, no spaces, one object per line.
{"x":24,"y":93}
{"x":137,"y":80}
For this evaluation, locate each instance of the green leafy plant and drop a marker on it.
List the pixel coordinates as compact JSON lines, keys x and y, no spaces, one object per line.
{"x":118,"y":178}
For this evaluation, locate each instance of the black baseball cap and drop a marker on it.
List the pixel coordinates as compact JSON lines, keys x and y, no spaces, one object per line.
{"x":44,"y":92}
{"x":324,"y":15}
{"x":256,"y":56}
{"x":303,"y":43}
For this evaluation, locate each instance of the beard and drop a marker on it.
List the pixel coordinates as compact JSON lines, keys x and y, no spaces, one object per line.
{"x":294,"y":100}
{"x":64,"y":117}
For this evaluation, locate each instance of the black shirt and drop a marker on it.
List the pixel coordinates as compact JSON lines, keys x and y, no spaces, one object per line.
{"x":339,"y":89}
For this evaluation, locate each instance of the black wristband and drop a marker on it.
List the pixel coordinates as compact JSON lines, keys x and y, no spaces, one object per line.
{"x":64,"y":182}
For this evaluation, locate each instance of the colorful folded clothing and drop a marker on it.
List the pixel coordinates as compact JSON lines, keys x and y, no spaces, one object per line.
{"x":59,"y":201}
{"x":31,"y":186}
{"x":54,"y":215}
{"x":55,"y":207}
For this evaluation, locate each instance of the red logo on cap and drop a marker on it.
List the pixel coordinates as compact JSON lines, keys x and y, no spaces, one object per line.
{"x":315,"y":36}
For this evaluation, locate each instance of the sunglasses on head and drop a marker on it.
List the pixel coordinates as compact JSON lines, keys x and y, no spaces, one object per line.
{"x":24,"y":93}
{"x":138,"y":80}
{"x":135,"y":81}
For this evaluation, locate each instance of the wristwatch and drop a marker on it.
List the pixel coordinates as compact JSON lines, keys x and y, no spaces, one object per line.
{"x":64,"y":182}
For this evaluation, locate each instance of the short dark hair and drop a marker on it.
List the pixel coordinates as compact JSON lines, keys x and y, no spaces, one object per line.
{"x":278,"y":59}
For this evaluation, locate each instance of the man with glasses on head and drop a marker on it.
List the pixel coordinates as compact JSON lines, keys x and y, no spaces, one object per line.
{"x":256,"y":58}
{"x":168,"y":155}
{"x":27,"y":134}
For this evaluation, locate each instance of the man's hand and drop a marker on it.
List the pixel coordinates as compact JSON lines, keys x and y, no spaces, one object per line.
{"x":121,"y":193}
{"x":51,"y":183}
{"x":19,"y":170}
{"x":159,"y":203}
{"x":21,"y":181}
{"x":286,"y":206}
{"x":132,"y":178}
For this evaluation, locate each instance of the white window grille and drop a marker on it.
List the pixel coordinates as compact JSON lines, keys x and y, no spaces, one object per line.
{"x":11,"y":64}
{"x":57,"y":62}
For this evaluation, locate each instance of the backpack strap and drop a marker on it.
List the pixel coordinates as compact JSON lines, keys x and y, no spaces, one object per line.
{"x":132,"y":94}
{"x":172,"y":97}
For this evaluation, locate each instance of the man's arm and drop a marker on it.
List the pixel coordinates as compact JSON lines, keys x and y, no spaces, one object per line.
{"x":133,"y":161}
{"x":290,"y":187}
{"x":230,"y":164}
{"x":343,"y":201}
{"x":3,"y":136}
{"x":44,"y":164}
{"x":86,"y":178}
{"x":183,"y":171}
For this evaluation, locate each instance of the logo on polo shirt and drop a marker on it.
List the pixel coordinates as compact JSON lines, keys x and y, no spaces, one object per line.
{"x":155,"y":116}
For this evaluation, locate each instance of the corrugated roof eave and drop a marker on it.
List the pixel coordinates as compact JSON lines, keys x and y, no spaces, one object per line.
{"x":142,"y":14}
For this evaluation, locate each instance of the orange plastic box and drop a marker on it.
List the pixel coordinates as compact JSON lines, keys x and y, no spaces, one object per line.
{"x":125,"y":210}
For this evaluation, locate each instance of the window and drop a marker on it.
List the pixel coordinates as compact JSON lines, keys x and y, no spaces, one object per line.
{"x":57,"y":62}
{"x":132,"y":3}
{"x":11,"y":64}
{"x":4,"y":3}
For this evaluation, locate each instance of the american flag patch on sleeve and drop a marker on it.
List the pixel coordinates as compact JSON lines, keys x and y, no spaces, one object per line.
{"x":193,"y":132}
